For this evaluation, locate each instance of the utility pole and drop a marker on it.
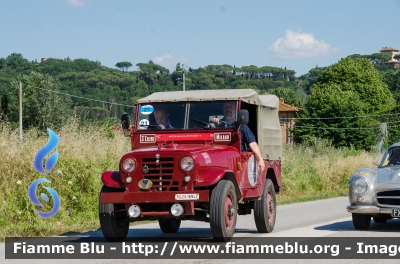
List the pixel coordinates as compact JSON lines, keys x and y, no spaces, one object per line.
{"x":183,"y":76}
{"x":20,"y":110}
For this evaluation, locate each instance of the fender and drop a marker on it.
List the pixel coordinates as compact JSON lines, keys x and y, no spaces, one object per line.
{"x":209,"y":177}
{"x":112,"y":179}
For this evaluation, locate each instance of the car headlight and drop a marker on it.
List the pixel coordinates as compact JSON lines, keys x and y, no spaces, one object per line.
{"x":359,"y":186}
{"x":187,"y":164}
{"x":128,"y":164}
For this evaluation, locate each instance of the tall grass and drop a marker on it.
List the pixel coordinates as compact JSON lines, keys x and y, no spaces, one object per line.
{"x":318,"y":170}
{"x":309,"y":171}
{"x":84,"y":153}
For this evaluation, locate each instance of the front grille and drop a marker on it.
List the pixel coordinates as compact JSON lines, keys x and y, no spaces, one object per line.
{"x":160,"y":174}
{"x":388,"y":198}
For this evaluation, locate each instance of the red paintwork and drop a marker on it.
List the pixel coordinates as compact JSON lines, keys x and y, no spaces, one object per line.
{"x":270,"y":207}
{"x":112,"y":179}
{"x":229,"y":203}
{"x":209,"y":177}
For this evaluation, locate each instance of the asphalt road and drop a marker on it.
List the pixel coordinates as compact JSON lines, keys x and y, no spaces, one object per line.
{"x":323,"y":218}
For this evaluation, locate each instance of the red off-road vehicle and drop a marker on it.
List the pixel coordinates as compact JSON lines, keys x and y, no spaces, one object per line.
{"x":191,"y":169}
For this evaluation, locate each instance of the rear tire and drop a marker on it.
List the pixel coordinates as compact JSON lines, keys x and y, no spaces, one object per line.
{"x":169,"y":225}
{"x":265,"y":209}
{"x":223,"y":211}
{"x":113,"y":218}
{"x":361,"y":221}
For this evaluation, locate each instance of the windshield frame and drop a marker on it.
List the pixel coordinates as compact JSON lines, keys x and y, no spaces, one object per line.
{"x":205,"y":107}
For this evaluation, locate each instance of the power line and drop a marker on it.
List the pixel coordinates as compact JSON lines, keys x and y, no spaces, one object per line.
{"x":338,"y":117}
{"x":344,"y":128}
{"x":79,"y":96}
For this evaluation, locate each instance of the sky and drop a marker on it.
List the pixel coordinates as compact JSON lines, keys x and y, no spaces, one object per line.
{"x":298,"y":35}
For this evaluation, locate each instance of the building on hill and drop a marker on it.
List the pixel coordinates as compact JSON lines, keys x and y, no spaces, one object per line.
{"x":287,"y":113}
{"x":391,"y":51}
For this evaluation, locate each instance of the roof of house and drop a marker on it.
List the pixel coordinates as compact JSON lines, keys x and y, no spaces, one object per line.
{"x":287,"y":107}
{"x":389,"y":49}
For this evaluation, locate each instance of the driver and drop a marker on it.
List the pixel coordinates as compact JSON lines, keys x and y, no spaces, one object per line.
{"x":229,"y":120}
{"x":162,"y":118}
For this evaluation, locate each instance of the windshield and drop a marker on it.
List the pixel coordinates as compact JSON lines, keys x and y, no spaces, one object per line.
{"x":391,"y":157}
{"x":161,"y":116}
{"x":220,"y":114}
{"x":193,"y":115}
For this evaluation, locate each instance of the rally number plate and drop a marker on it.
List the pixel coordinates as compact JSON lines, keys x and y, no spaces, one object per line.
{"x":187,"y":196}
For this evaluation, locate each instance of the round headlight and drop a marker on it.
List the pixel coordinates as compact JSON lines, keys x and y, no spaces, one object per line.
{"x":176,"y":210}
{"x":187,"y":164}
{"x":128,"y":164}
{"x":359,"y":186}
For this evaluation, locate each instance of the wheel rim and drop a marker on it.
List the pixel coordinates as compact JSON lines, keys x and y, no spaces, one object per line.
{"x":270,"y":207}
{"x":229,"y":211}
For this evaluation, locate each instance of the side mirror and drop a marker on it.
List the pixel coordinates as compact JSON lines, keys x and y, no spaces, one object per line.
{"x":243,"y":117}
{"x":125,"y":121}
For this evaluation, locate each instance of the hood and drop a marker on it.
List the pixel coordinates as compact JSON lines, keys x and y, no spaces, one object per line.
{"x":183,"y":147}
{"x":389,"y":175}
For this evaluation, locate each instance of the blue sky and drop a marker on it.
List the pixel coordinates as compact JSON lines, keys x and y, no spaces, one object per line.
{"x":298,"y":35}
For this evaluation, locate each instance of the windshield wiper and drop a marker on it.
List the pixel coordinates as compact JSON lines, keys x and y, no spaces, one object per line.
{"x":157,"y":126}
{"x":208,"y":125}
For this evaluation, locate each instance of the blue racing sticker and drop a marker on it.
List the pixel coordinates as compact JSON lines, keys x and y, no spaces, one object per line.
{"x":146,"y":109}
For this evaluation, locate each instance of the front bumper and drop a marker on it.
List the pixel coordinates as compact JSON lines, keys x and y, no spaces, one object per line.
{"x":151,"y":197}
{"x":368,"y":209}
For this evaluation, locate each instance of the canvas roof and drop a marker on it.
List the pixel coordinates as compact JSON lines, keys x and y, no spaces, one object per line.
{"x":247,"y":95}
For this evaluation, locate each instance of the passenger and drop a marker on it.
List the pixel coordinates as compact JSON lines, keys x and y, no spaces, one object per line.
{"x":162,"y":118}
{"x":248,"y":139}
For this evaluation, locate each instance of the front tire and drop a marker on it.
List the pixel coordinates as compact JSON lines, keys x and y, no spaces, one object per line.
{"x":265,"y":209}
{"x":223,"y":211}
{"x":113,"y":218}
{"x":361,"y":221}
{"x":169,"y":225}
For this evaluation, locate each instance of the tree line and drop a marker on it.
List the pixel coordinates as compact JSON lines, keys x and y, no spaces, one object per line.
{"x":343,"y":89}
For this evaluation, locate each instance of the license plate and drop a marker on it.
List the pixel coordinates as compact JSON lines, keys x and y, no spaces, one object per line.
{"x":187,"y":196}
{"x":395,"y":212}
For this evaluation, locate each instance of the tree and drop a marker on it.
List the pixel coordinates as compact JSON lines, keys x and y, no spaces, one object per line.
{"x":392,"y":79}
{"x":289,"y":96}
{"x":4,"y":103}
{"x":42,"y":106}
{"x":344,"y":92}
{"x":16,"y":61}
{"x":123,"y":65}
{"x":379,"y":58}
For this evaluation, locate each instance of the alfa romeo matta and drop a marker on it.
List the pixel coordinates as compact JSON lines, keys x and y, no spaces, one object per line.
{"x":184,"y":166}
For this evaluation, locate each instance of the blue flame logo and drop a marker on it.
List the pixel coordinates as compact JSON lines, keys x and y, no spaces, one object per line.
{"x":50,"y":163}
{"x":32,"y":195}
{"x":52,"y":160}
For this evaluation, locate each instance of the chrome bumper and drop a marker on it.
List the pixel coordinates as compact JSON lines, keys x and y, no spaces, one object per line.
{"x":368,"y":210}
